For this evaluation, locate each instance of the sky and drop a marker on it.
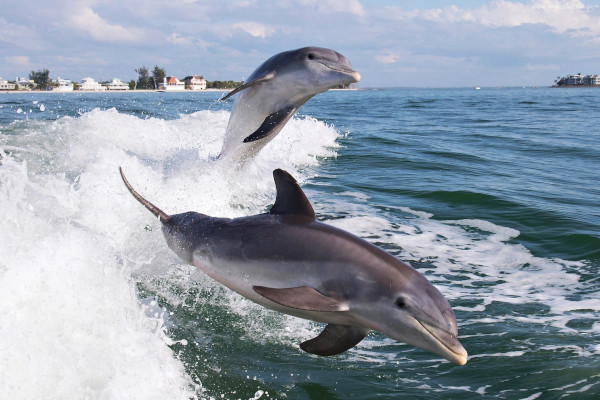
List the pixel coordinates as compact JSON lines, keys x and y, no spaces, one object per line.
{"x":408,"y":43}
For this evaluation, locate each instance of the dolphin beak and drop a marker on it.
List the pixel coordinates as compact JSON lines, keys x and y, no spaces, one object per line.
{"x":344,"y":67}
{"x":448,"y":345}
{"x":348,"y":75}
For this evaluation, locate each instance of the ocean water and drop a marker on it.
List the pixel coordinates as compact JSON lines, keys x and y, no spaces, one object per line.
{"x":492,"y":194}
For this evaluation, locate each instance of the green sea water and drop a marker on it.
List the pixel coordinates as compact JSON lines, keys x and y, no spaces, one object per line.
{"x":492,"y":194}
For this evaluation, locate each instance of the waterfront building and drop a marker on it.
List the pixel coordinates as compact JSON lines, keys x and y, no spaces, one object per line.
{"x":574,"y":80}
{"x":4,"y":85}
{"x":116,"y":84}
{"x":195,"y":82}
{"x":593,"y":80}
{"x":24,"y":84}
{"x":64,"y":85}
{"x":171,"y":83}
{"x":90,"y":85}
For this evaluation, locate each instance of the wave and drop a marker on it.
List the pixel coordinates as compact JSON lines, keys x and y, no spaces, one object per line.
{"x":106,"y":309}
{"x":75,"y":245}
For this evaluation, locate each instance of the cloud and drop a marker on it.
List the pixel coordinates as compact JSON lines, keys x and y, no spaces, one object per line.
{"x":20,"y":35}
{"x":387,"y":57}
{"x":255,"y":29}
{"x":87,"y":21}
{"x":487,"y":41}
{"x":571,"y":16}
{"x":336,"y":6}
{"x":179,"y":40}
{"x":18,"y":61}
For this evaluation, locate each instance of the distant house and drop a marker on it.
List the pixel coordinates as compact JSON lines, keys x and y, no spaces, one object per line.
{"x":591,"y":80}
{"x":64,"y":85}
{"x":4,"y":85}
{"x":171,"y":83}
{"x":23,"y":83}
{"x":90,"y":85}
{"x":580,"y":80}
{"x":195,"y":82}
{"x":574,"y":80}
{"x":116,"y":84}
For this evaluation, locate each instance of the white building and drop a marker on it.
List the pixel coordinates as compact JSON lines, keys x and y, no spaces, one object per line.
{"x":195,"y":82}
{"x":64,"y":85}
{"x":591,"y":80}
{"x":90,"y":85}
{"x":24,"y":83}
{"x":116,"y":84}
{"x":171,"y":83}
{"x":4,"y":85}
{"x":574,"y":80}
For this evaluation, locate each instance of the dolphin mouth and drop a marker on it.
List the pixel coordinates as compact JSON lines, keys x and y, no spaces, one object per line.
{"x":346,"y":72}
{"x":450,"y":347}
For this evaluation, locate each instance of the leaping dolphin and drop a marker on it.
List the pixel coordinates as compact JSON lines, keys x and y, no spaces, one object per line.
{"x":287,"y":261}
{"x":275,"y":91}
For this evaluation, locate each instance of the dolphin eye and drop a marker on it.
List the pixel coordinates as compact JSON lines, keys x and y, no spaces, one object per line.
{"x":400,"y":302}
{"x":311,"y":56}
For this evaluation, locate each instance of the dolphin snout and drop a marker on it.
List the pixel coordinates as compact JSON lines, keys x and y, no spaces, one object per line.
{"x":345,"y":68}
{"x":356,"y":76}
{"x":449,"y":346}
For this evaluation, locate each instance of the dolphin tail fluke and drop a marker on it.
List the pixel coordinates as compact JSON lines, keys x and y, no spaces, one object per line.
{"x":164,"y":218}
{"x":335,"y":339}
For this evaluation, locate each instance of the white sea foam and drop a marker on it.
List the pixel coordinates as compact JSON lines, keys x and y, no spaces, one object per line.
{"x":73,"y":241}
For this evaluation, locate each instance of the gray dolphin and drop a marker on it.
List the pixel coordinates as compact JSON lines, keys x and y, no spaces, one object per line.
{"x":287,"y":261}
{"x":275,"y":91}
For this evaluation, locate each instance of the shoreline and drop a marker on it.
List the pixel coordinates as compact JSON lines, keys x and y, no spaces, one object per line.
{"x":575,"y":86}
{"x":140,"y":91}
{"x":116,"y":91}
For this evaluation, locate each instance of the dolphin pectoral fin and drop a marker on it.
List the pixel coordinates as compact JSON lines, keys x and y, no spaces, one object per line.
{"x":268,"y":76}
{"x":302,"y":298}
{"x":272,"y":123}
{"x":335,"y":339}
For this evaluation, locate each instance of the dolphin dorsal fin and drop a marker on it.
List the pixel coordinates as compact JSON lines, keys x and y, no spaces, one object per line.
{"x":290,"y":197}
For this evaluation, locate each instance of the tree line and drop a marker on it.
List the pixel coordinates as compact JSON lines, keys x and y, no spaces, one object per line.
{"x":147,"y":80}
{"x":151,"y":81}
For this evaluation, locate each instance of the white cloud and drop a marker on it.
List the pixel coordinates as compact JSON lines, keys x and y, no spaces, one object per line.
{"x":344,"y":6}
{"x":21,"y":35}
{"x":179,"y":40}
{"x":87,"y":21}
{"x":495,"y":40}
{"x":571,"y":16}
{"x":387,"y":57}
{"x":255,"y":29}
{"x":187,"y":41}
{"x":18,"y":61}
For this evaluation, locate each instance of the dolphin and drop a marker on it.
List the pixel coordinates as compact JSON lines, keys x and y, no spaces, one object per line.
{"x":275,"y":91}
{"x":289,"y":262}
